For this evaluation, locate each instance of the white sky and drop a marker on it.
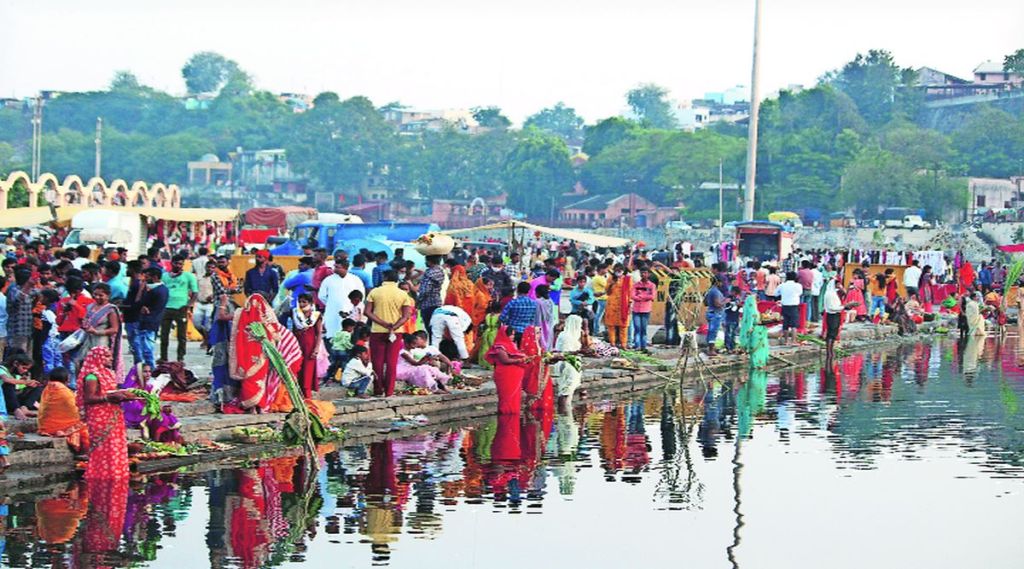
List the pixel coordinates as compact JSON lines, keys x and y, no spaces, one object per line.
{"x":521,"y":55}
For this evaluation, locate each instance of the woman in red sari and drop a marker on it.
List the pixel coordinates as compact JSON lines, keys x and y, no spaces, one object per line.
{"x":99,"y":397}
{"x":537,"y":375}
{"x":259,"y":384}
{"x":308,"y":327}
{"x":509,"y":367}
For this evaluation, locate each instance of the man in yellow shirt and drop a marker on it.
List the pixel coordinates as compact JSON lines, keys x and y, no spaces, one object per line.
{"x":388,"y":307}
{"x":599,"y":282}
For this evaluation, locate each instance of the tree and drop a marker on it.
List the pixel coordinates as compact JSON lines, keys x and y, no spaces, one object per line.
{"x":878,"y":178}
{"x":326,"y":98}
{"x":659,"y":164}
{"x":608,"y":132}
{"x":1014,"y":63}
{"x":651,"y":106}
{"x":877,"y":85}
{"x":559,"y":120}
{"x":491,"y":117}
{"x":206,"y":72}
{"x":7,"y":161}
{"x":340,"y":144}
{"x":537,"y":172}
{"x":991,"y":143}
{"x":450,"y":163}
{"x":125,"y":81}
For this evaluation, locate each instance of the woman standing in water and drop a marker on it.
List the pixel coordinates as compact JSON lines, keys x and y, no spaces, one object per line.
{"x":100,"y":400}
{"x":509,"y":366}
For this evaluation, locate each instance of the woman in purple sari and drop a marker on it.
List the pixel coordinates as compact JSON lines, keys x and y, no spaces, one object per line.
{"x":166,"y":428}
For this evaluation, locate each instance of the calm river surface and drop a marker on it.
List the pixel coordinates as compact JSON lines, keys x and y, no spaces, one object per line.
{"x":908,"y":457}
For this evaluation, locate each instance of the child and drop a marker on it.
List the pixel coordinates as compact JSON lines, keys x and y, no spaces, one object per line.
{"x":341,"y":343}
{"x":419,"y":371}
{"x":358,"y":374}
{"x":488,"y":332}
{"x":732,"y":318}
{"x":51,"y":355}
{"x":357,"y":312}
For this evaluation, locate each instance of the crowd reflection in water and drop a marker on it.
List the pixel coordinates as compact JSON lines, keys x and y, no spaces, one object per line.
{"x":268,"y":511}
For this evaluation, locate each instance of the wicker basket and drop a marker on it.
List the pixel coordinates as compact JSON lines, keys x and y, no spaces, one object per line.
{"x":434,"y":244}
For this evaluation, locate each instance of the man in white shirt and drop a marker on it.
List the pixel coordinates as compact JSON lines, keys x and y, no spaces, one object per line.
{"x":456,"y":322}
{"x":817,"y":281}
{"x":790,"y":291}
{"x":911,"y":278}
{"x":334,"y":291}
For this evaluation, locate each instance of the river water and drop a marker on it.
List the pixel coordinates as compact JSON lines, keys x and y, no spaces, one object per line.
{"x":908,"y":457}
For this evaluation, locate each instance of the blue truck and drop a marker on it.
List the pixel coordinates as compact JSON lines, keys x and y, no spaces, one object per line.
{"x":332,"y":236}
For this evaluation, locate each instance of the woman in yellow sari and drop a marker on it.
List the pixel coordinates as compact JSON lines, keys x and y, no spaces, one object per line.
{"x":616,"y":312}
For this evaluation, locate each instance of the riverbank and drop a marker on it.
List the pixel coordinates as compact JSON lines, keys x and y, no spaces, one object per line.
{"x":38,"y":461}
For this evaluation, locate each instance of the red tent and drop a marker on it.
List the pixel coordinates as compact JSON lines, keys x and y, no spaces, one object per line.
{"x":1017,"y":248}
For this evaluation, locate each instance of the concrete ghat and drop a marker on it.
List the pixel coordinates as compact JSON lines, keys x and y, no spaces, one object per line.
{"x":38,"y":461}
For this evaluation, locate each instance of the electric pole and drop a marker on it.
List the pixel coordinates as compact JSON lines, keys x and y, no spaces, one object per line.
{"x":37,"y":138}
{"x":99,"y":145}
{"x":755,"y":107}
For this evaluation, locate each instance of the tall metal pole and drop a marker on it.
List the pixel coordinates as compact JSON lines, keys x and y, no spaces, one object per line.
{"x":755,"y":107}
{"x":37,"y":138}
{"x":721,"y":177}
{"x":99,"y":145}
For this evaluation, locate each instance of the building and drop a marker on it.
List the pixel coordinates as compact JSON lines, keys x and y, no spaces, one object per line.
{"x":411,"y":123}
{"x":992,"y":194}
{"x":993,"y":73}
{"x":938,"y":84}
{"x":297,"y":102}
{"x":699,"y":113}
{"x":607,"y":210}
{"x":209,"y":171}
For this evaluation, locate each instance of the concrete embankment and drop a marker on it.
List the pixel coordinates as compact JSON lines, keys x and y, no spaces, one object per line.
{"x":37,"y":461}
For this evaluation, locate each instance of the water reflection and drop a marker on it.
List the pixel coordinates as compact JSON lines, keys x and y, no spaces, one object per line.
{"x":694,"y":454}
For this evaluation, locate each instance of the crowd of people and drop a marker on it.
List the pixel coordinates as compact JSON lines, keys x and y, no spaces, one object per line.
{"x":822,"y":286}
{"x":83,"y":328}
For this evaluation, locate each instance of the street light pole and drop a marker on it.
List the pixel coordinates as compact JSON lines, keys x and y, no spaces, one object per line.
{"x":37,"y":138}
{"x":755,"y":107}
{"x":721,"y":162}
{"x":99,"y":145}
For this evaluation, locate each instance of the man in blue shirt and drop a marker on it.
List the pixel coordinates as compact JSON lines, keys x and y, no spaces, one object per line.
{"x":301,"y":281}
{"x":520,"y":312}
{"x":262,"y":278}
{"x":359,"y":269}
{"x":582,"y":298}
{"x":381,"y":258}
{"x":985,"y":278}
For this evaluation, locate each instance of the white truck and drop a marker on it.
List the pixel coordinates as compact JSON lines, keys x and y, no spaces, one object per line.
{"x":912,"y":222}
{"x":109,"y":230}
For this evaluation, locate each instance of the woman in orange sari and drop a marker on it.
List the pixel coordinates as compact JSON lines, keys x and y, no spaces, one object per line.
{"x":58,"y":413}
{"x":462,"y":293}
{"x":481,"y":300}
{"x":616,"y":312}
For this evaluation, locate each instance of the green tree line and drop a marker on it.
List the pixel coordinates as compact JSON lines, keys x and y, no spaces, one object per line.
{"x":854,"y":140}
